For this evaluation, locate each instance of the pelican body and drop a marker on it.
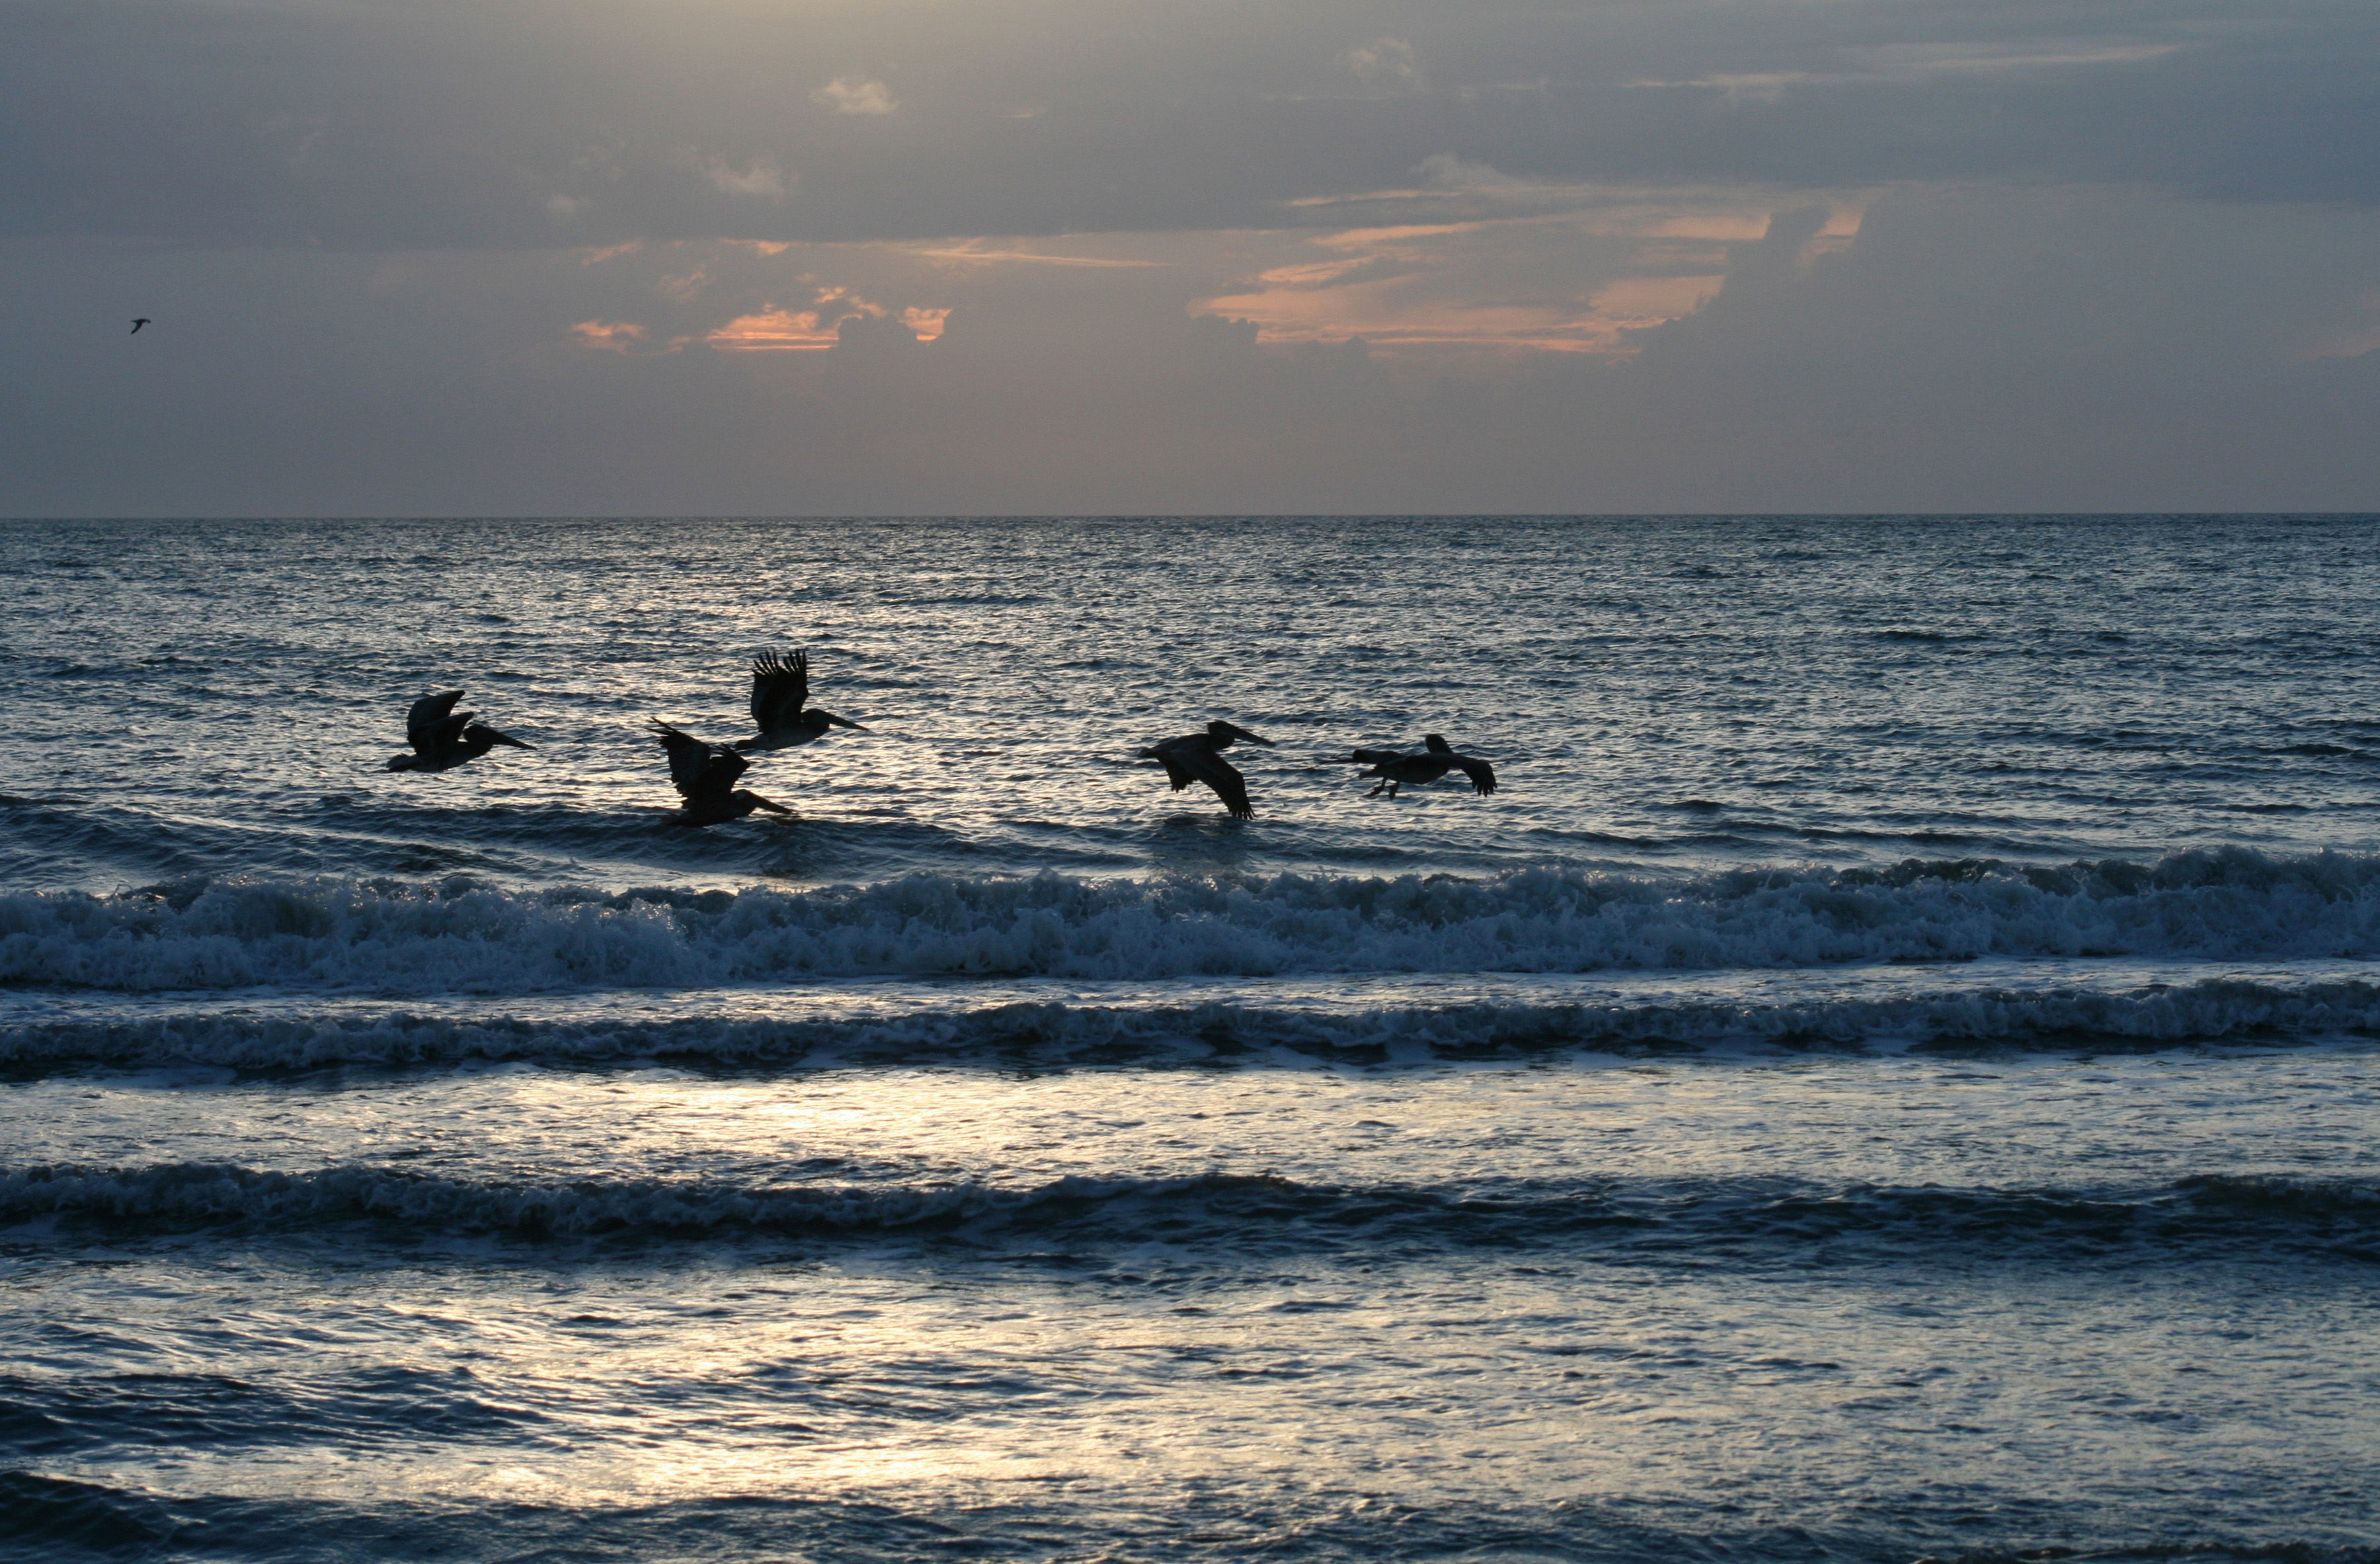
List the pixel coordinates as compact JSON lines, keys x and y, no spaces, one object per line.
{"x":1199,"y":757}
{"x":705,"y":775}
{"x":1396,"y":767}
{"x":442,"y":737}
{"x":780,"y":693}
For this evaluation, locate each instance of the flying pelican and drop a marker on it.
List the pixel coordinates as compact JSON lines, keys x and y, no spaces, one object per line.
{"x":442,"y":737}
{"x":136,"y":325}
{"x":780,"y":689}
{"x":705,"y":775}
{"x":1199,"y":757}
{"x":1394,"y":766}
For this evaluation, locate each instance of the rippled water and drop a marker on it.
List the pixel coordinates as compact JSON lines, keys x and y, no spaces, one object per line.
{"x":1890,"y":1072}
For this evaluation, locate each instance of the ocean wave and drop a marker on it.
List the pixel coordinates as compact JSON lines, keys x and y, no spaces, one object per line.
{"x":60,"y":841}
{"x":49,"y":1415}
{"x":69,"y":1521}
{"x":2246,"y":1214}
{"x":460,"y":934}
{"x":1049,"y":1033}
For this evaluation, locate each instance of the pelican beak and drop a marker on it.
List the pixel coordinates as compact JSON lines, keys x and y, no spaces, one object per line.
{"x":1238,"y":732}
{"x":845,"y":721}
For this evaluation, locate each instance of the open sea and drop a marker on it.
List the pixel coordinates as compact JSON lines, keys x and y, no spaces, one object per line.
{"x":1891,"y":1073}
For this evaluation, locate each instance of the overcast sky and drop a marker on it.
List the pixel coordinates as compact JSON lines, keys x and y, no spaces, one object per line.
{"x":694,"y":256}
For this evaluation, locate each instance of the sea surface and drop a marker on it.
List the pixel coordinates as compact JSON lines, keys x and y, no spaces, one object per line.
{"x":1891,"y":1073}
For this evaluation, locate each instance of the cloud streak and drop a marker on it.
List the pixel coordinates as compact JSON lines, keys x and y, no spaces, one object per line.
{"x":855,"y":95}
{"x":440,"y":124}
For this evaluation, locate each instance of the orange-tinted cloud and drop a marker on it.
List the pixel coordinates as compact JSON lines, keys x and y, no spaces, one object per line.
{"x":612,"y":337}
{"x":1473,"y":259}
{"x":1479,"y":286}
{"x":973,"y":252}
{"x":1633,"y":303}
{"x":774,"y":330}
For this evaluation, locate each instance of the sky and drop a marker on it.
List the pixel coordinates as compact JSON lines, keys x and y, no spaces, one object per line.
{"x":976,"y":257}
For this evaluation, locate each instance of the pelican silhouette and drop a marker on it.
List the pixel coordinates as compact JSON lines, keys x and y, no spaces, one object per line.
{"x":442,"y":737}
{"x":705,"y":775}
{"x":781,"y":690}
{"x":136,"y":325}
{"x":1199,"y":757}
{"x":1395,"y":766}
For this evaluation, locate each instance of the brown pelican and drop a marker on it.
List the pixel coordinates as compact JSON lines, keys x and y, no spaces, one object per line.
{"x":1199,"y":757}
{"x":1394,"y":767}
{"x":780,"y":689}
{"x":443,"y":736}
{"x":705,"y":775}
{"x":136,"y":325}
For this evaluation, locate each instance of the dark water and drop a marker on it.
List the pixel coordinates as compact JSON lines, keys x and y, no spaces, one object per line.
{"x":1889,"y":1073}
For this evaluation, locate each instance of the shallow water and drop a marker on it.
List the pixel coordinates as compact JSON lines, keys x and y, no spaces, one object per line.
{"x":1890,"y":1071}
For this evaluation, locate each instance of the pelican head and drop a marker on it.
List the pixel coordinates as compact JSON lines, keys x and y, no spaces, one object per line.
{"x":1437,"y":742}
{"x":1224,"y":733}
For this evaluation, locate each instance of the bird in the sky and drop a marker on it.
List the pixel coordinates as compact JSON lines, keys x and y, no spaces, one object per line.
{"x":780,"y":692}
{"x":705,"y":775}
{"x":1199,"y":757}
{"x":443,"y":736}
{"x":136,"y":325}
{"x":1395,"y":766}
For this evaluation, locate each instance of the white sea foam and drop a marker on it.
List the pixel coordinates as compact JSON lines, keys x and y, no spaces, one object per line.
{"x":403,"y":937}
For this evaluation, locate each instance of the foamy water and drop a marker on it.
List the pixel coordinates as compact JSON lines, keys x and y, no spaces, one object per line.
{"x":1889,"y":1073}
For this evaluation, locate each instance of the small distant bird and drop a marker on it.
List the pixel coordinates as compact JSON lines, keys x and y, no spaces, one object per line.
{"x":136,"y":325}
{"x":705,"y":775}
{"x":781,"y":691}
{"x":1394,"y":767}
{"x":1199,"y":757}
{"x":442,"y":737}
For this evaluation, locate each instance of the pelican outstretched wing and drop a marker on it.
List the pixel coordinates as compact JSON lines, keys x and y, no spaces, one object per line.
{"x":1482,"y":775}
{"x":1192,"y":758}
{"x":432,"y":723}
{"x":725,"y":766}
{"x":480,"y":730}
{"x":1229,"y":785}
{"x":781,"y":688}
{"x":695,"y":767}
{"x":1186,"y":763}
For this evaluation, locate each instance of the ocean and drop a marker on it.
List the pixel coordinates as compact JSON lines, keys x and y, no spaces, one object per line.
{"x":1889,"y":1073}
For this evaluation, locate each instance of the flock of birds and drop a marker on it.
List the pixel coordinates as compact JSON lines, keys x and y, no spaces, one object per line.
{"x":706,"y":773}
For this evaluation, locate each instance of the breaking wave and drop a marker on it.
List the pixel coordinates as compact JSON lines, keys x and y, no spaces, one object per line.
{"x":2246,"y":1213}
{"x":389,"y":936}
{"x":1059,"y":1033}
